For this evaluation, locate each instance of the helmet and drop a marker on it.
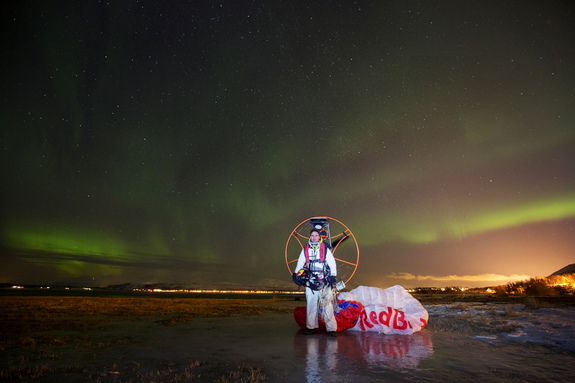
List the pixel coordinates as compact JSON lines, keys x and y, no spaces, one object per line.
{"x":301,"y":278}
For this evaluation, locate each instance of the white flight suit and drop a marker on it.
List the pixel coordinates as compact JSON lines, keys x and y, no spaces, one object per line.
{"x":313,"y":296}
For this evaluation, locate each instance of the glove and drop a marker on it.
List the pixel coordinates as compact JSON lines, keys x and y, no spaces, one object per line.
{"x":331,"y":280}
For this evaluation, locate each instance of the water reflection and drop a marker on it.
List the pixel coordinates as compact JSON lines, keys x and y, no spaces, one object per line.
{"x":330,"y":358}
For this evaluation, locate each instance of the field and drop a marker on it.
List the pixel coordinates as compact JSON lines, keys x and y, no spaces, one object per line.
{"x":181,"y":339}
{"x":34,"y":329}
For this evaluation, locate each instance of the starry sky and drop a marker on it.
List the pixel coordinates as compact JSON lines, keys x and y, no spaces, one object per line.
{"x":182,"y":141}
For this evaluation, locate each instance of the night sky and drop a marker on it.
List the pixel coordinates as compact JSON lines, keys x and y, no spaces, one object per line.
{"x":182,"y":141}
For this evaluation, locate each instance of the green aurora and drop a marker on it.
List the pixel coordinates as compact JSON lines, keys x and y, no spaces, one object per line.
{"x":155,"y":144}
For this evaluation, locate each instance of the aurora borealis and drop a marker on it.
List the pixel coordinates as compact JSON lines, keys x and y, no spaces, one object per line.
{"x":181,"y":142}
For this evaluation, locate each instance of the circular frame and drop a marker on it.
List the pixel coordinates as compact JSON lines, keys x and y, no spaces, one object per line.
{"x":345,"y":248}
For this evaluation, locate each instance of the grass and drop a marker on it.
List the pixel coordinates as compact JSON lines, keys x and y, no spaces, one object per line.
{"x":491,"y":314}
{"x":550,"y":300}
{"x":26,"y":314}
{"x":532,"y":303}
{"x":472,"y":324}
{"x":33,"y":331}
{"x":194,"y":371}
{"x":464,"y":317}
{"x":21,"y":316}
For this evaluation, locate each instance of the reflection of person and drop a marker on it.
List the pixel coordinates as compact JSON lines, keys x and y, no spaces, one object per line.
{"x":321,"y":359}
{"x":316,"y":270}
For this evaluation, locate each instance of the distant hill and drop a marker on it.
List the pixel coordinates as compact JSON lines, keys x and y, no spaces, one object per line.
{"x":570,"y":269}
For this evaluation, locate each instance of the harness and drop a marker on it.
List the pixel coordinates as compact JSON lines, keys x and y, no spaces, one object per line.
{"x":316,"y":274}
{"x":322,"y":250}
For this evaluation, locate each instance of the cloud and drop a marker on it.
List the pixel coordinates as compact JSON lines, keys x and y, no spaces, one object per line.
{"x":490,"y":277}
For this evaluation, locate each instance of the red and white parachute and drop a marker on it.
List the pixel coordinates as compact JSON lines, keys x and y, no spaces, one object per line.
{"x":388,"y":311}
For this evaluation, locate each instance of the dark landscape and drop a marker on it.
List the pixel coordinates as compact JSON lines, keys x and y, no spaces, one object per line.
{"x":147,"y":339}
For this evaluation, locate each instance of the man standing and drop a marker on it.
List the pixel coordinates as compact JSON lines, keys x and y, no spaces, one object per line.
{"x":317,"y":264}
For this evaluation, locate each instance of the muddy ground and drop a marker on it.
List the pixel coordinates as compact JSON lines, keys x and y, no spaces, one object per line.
{"x":146,"y":340}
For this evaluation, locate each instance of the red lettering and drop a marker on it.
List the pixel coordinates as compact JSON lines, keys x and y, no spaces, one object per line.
{"x":364,"y":323}
{"x":385,"y":317}
{"x":389,"y":317}
{"x":373,"y":317}
{"x":423,"y":322}
{"x":399,"y":323}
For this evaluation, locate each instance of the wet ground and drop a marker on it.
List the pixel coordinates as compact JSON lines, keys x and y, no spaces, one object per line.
{"x":539,"y":348}
{"x":275,"y":343}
